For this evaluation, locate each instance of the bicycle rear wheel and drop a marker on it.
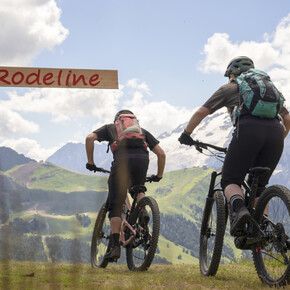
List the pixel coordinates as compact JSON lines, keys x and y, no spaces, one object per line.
{"x":141,"y":250}
{"x":100,"y":239}
{"x":272,"y":256}
{"x":212,"y":234}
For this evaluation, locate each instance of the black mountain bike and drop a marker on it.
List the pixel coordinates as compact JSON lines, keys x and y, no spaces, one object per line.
{"x":267,"y":235}
{"x":138,"y":237}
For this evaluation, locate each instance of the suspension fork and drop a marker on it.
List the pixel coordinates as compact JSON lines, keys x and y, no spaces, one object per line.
{"x":210,"y":195}
{"x":211,"y":189}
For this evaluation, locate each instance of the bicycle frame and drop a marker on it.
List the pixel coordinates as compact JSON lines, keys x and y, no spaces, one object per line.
{"x":254,"y":231}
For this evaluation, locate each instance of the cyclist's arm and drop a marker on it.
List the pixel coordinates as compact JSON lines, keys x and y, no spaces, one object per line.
{"x":91,"y":138}
{"x":286,"y":120}
{"x":161,"y":157}
{"x":196,"y":118}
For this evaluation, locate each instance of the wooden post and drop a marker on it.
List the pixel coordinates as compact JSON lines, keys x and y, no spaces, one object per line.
{"x":58,"y":78}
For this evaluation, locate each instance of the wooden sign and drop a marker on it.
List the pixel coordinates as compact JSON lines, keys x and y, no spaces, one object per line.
{"x":58,"y":78}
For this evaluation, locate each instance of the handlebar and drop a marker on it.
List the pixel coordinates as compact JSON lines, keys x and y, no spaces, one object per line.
{"x":100,"y":169}
{"x":200,"y":145}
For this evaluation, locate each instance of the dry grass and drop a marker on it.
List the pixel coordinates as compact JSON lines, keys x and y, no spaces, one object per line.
{"x":28,"y":275}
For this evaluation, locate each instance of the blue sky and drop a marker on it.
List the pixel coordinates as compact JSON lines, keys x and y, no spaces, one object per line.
{"x":170,"y":56}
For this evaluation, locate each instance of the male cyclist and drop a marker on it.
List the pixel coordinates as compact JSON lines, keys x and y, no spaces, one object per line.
{"x":129,"y":168}
{"x":256,"y":141}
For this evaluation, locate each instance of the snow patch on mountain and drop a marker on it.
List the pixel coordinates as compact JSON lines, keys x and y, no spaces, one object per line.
{"x":215,"y":129}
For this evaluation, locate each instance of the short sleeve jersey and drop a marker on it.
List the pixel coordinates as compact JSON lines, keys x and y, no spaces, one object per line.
{"x":228,"y":96}
{"x":105,"y":135}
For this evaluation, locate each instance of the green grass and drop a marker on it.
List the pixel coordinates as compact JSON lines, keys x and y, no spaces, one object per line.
{"x":50,"y":177}
{"x":175,"y":190}
{"x":170,"y":251}
{"x":28,"y":275}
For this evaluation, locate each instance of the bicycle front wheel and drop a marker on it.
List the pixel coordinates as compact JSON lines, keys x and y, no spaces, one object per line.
{"x":272,"y":255}
{"x":146,"y":222}
{"x":212,"y":234}
{"x":100,"y":239}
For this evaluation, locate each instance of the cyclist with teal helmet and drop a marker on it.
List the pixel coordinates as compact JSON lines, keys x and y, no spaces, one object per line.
{"x":256,"y":141}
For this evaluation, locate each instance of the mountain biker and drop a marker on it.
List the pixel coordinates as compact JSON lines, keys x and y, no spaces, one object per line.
{"x":255,"y":142}
{"x":129,"y":168}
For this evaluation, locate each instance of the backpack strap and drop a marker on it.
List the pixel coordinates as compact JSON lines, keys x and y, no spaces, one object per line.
{"x":112,"y":134}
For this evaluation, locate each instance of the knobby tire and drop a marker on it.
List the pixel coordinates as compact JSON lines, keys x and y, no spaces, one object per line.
{"x":100,"y":239}
{"x":268,"y":255}
{"x":140,"y":252}
{"x":212,"y":234}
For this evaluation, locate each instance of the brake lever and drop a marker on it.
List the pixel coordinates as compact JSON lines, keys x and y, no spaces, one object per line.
{"x":198,"y":149}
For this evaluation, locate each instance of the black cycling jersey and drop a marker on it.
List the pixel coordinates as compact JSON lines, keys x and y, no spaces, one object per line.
{"x":108,"y":133}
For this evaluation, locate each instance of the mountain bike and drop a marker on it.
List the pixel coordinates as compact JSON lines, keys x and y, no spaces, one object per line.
{"x":266,"y":235}
{"x":138,"y":237}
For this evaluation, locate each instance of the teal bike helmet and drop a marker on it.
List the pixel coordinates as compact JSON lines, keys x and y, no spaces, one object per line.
{"x":238,"y":65}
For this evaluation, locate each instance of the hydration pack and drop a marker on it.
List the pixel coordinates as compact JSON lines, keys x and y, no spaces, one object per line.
{"x":129,"y":132}
{"x":258,"y":95}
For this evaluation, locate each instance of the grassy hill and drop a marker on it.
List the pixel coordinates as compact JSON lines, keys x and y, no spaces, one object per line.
{"x":51,"y":197}
{"x":47,"y":176}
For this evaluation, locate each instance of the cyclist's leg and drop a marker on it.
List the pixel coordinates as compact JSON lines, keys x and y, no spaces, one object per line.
{"x":117,"y":194}
{"x":270,"y":153}
{"x":241,"y":155}
{"x":269,"y":157}
{"x":138,"y":167}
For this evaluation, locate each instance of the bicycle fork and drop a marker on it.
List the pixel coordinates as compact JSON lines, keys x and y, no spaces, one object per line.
{"x":210,"y":196}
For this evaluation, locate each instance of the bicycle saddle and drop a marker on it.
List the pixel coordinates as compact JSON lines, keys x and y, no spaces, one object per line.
{"x":137,"y":189}
{"x":257,"y":171}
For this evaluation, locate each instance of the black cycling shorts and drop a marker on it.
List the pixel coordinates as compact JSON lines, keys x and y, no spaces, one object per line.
{"x":255,"y":142}
{"x":127,"y":170}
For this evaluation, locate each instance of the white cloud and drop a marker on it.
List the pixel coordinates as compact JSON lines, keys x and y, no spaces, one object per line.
{"x":30,"y":148}
{"x":65,"y":104}
{"x":272,"y":55}
{"x":157,"y":117}
{"x":11,"y":123}
{"x":27,"y":28}
{"x":135,"y":84}
{"x":219,"y":50}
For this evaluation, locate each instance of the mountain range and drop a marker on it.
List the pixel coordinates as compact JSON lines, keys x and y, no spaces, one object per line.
{"x":216,"y":129}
